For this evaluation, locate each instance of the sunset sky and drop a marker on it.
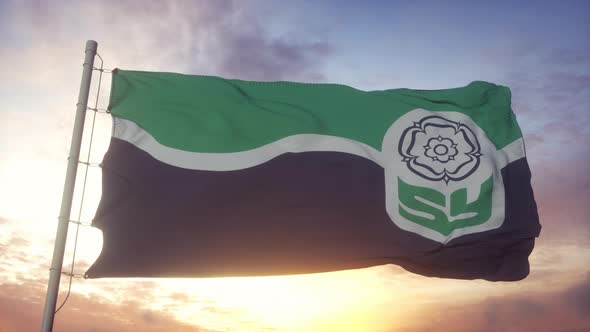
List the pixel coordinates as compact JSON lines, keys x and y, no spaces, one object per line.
{"x":540,"y":49}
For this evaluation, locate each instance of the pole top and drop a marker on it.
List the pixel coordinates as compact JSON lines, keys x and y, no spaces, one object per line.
{"x":91,"y":46}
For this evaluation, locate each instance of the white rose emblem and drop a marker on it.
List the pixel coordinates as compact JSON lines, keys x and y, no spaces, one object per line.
{"x":439,"y":149}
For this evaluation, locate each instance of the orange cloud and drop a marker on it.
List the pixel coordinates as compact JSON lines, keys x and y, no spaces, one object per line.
{"x":564,"y":310}
{"x":21,"y":308}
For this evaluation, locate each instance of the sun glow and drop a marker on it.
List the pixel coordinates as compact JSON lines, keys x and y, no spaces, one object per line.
{"x":338,"y":301}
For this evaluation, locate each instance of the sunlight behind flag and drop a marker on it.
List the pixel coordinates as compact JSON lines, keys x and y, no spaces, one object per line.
{"x":210,"y":177}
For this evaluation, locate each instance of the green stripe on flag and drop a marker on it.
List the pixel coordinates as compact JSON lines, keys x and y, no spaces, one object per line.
{"x":216,"y":115}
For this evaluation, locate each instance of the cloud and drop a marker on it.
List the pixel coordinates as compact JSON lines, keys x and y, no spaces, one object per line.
{"x":19,"y":241}
{"x":568,"y":82}
{"x":526,"y":311}
{"x":21,"y":309}
{"x":499,"y":313}
{"x":579,"y":297}
{"x":207,"y":37}
{"x":223,"y":38}
{"x":567,"y":56}
{"x":548,"y":84}
{"x":17,"y":247}
{"x":550,"y":96}
{"x":218,"y":38}
{"x":251,"y":57}
{"x":562,"y":190}
{"x":180,"y":297}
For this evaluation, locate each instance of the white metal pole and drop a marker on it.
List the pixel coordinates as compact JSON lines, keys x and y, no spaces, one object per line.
{"x":68,"y":193}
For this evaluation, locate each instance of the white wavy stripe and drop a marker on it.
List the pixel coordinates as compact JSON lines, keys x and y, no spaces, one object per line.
{"x":510,"y":153}
{"x":129,"y":131}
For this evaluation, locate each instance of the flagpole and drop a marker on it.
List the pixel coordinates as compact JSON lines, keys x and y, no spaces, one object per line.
{"x":68,"y":193}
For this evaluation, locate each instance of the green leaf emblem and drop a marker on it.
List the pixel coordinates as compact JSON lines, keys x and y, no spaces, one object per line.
{"x":432,"y":209}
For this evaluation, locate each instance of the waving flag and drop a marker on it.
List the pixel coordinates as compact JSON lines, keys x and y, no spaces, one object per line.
{"x":207,"y":177}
